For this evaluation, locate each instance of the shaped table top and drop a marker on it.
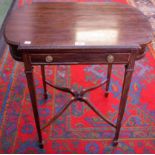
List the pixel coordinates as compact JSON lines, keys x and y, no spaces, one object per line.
{"x":74,"y":25}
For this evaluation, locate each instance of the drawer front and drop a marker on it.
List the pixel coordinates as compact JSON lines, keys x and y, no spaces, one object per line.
{"x":78,"y":58}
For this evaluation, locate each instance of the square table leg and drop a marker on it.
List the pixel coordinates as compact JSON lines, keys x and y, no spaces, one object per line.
{"x":129,"y":68}
{"x":44,"y":81}
{"x":31,"y":86}
{"x":108,"y":79}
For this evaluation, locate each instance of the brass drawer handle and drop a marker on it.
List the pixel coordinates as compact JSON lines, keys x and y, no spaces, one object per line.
{"x":49,"y":58}
{"x":110,"y":58}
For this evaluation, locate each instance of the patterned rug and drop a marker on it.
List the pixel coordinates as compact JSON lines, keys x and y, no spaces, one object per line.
{"x":78,"y":130}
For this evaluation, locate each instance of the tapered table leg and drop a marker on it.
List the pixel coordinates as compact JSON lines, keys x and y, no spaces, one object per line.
{"x":31,"y":86}
{"x":44,"y":81}
{"x":108,"y":79}
{"x":126,"y":85}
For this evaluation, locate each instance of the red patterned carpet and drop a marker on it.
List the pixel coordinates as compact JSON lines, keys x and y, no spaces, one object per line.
{"x":78,"y":130}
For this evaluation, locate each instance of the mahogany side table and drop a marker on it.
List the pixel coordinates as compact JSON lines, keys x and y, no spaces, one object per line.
{"x":77,"y":33}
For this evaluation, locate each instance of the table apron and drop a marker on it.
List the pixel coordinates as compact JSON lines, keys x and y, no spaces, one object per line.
{"x":78,"y":58}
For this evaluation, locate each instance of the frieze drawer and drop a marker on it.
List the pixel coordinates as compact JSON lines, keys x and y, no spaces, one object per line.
{"x":77,"y":58}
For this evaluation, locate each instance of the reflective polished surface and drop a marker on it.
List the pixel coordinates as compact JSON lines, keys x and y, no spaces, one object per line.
{"x":77,"y":24}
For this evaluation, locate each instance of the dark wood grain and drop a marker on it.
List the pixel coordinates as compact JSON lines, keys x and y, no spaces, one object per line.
{"x":77,"y":25}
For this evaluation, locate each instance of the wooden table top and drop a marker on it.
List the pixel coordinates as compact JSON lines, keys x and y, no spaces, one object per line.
{"x":77,"y":25}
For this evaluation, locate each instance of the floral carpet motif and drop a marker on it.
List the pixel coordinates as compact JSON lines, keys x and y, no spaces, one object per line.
{"x":79,"y":129}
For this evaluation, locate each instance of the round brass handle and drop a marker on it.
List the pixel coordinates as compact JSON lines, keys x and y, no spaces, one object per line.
{"x":110,"y":58}
{"x":49,"y":58}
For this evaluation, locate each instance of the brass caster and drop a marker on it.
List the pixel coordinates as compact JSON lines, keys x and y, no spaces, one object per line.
{"x":115,"y":142}
{"x":41,"y":146}
{"x":106,"y":94}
